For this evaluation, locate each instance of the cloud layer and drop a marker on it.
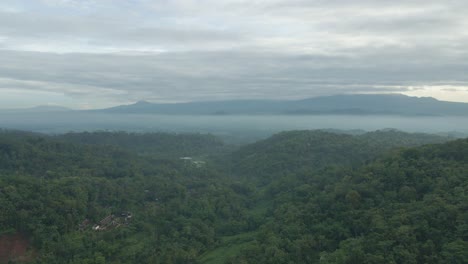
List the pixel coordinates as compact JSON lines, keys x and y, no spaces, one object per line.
{"x":94,"y":53}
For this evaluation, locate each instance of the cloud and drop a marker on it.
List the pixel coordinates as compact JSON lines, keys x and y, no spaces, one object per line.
{"x":185,"y":76}
{"x":316,"y":26}
{"x":91,"y":34}
{"x":122,"y":51}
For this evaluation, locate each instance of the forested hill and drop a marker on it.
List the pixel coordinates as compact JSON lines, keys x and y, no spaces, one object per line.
{"x":330,"y":198}
{"x":407,"y":207}
{"x":43,"y":156}
{"x":293,"y":151}
{"x":162,"y":144}
{"x":53,"y":194}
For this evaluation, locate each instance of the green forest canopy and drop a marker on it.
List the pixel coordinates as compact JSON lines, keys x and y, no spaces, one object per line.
{"x":296,"y":197}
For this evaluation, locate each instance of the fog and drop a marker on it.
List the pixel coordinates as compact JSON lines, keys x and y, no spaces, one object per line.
{"x":230,"y":126}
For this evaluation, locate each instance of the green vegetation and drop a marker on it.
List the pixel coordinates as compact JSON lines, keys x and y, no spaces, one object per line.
{"x":297,"y":197}
{"x":160,"y":144}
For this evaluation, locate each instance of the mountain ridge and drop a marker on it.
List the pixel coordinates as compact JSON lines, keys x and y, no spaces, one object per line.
{"x":356,"y":104}
{"x":38,"y":108}
{"x":343,"y":104}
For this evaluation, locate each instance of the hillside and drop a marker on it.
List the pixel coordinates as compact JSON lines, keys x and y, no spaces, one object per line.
{"x":296,"y":151}
{"x":297,"y":197}
{"x":162,"y":144}
{"x":407,"y":207}
{"x":55,"y":193}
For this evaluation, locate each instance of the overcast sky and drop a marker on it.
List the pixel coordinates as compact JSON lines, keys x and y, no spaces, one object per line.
{"x":99,"y":53}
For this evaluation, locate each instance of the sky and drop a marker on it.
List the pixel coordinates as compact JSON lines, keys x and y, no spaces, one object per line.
{"x":87,"y":54}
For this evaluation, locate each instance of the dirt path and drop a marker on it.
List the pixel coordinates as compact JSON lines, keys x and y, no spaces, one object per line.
{"x":13,"y":247}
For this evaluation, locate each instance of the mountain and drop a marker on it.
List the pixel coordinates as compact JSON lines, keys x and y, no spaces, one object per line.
{"x":358,"y":104}
{"x":201,"y":108}
{"x":37,"y":109}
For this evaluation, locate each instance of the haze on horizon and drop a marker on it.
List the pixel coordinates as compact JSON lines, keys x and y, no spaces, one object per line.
{"x":99,"y":53}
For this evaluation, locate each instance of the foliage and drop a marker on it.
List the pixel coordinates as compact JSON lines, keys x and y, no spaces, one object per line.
{"x":297,"y":197}
{"x":161,"y":144}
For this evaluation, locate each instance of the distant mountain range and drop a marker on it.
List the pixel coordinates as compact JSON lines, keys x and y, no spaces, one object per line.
{"x":37,"y":109}
{"x":358,"y":104}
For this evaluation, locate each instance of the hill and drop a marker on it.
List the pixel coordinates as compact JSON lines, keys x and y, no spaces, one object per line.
{"x":54,"y":194}
{"x":408,"y":206}
{"x":297,"y":197}
{"x":161,"y":144}
{"x":295,"y":151}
